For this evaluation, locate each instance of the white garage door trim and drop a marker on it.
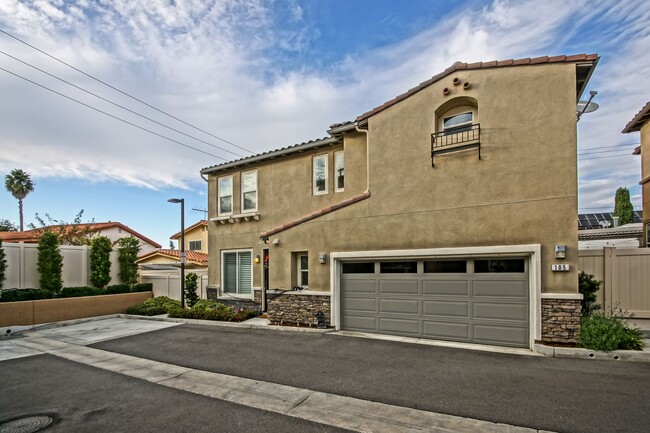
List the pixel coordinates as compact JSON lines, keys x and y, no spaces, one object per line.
{"x":533,"y":252}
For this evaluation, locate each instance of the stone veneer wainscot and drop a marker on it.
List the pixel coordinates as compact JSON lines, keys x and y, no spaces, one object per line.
{"x":289,"y":307}
{"x":561,"y":320}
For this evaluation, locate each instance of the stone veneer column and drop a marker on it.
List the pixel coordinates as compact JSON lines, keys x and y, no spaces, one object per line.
{"x":560,"y":321}
{"x":297,"y":308}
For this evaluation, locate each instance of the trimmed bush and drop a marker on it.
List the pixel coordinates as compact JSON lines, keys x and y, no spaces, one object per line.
{"x":128,"y":248}
{"x":118,"y":288}
{"x":100,"y":262}
{"x":16,"y":295}
{"x":73,"y":292}
{"x":154,"y":306}
{"x":191,"y":284}
{"x":588,"y":287}
{"x":607,"y":333}
{"x":3,"y":265}
{"x":50,"y":262}
{"x":210,"y":310}
{"x":142,"y":287}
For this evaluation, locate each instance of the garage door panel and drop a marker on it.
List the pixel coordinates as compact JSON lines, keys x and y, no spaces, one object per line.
{"x":499,"y":311}
{"x":359,"y":286}
{"x":399,"y":306}
{"x":359,"y":304}
{"x":446,"y":308}
{"x":399,"y":287}
{"x":505,"y":335}
{"x":500,"y":288}
{"x":359,"y":323}
{"x":446,"y":330}
{"x":445,"y":287}
{"x":399,"y":326}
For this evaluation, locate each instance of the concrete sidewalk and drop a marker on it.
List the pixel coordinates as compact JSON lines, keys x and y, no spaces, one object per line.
{"x":68,"y":342}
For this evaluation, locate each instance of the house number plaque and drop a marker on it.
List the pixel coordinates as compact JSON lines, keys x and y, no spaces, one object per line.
{"x":560,"y":268}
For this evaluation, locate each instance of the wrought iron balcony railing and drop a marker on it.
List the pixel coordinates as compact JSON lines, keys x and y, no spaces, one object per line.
{"x":454,"y":140}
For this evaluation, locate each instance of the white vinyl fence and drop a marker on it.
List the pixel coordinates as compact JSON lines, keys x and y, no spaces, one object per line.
{"x":22,"y":270}
{"x":168,"y":283}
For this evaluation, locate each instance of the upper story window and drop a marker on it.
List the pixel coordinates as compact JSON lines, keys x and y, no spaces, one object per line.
{"x":458,"y":122}
{"x":249,"y":191}
{"x":319,"y":175}
{"x":225,"y":195}
{"x":339,"y":171}
{"x":195,"y":245}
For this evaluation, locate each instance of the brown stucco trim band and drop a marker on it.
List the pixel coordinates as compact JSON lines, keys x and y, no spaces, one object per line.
{"x":639,"y":120}
{"x":319,"y":213}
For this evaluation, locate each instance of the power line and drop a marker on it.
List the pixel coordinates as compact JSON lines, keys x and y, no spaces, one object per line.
{"x":615,"y":149}
{"x":110,"y":115}
{"x":123,"y":92}
{"x":603,"y":157}
{"x":612,"y":145}
{"x":118,"y":105}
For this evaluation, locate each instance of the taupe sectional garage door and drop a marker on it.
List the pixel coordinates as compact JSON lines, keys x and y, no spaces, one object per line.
{"x":482,"y":300}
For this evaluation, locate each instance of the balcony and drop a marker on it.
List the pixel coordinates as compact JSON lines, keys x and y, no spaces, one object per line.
{"x":455,"y":140}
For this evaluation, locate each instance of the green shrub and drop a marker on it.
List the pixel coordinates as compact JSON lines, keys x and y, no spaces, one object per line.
{"x":50,"y":262}
{"x":100,"y":262}
{"x":154,"y":306}
{"x":588,"y":287}
{"x":3,"y":265}
{"x":210,"y":310}
{"x":607,"y":333}
{"x":191,"y":284}
{"x":142,"y":287}
{"x":73,"y":292}
{"x":15,"y":295}
{"x":129,"y":248}
{"x":118,"y":288}
{"x":204,"y":304}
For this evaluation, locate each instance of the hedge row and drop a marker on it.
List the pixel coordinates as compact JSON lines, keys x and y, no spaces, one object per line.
{"x":14,"y":295}
{"x":203,"y":309}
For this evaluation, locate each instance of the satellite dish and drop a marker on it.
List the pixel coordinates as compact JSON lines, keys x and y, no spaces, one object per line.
{"x":586,"y":107}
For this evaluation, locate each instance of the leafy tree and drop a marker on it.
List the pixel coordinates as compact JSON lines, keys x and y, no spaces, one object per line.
{"x":191,"y":284}
{"x":623,"y":208}
{"x":19,"y":185}
{"x":75,"y":233}
{"x":129,"y":248}
{"x":100,"y":261}
{"x":3,"y":265}
{"x":7,"y":226}
{"x":50,"y":262}
{"x":588,"y":287}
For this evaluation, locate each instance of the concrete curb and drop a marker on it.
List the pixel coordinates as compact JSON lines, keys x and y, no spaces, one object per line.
{"x":576,"y":352}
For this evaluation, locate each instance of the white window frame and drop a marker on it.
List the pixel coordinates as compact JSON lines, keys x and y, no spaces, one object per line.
{"x":232,"y":187}
{"x":451,"y":129}
{"x":189,"y":245}
{"x":241,"y":183}
{"x":313,"y":175}
{"x":222,"y":272}
{"x":301,"y":270}
{"x":338,"y":166}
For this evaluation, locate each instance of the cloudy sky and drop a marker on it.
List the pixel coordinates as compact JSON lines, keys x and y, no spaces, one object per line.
{"x":267,"y":74}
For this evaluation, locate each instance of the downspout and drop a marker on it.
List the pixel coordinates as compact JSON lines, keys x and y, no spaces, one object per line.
{"x":365,"y":131}
{"x":203,"y":177}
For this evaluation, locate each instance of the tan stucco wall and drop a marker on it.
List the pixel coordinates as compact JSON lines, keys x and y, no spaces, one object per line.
{"x":157,"y":260}
{"x":522,"y":191}
{"x":645,"y":174}
{"x":199,"y":233}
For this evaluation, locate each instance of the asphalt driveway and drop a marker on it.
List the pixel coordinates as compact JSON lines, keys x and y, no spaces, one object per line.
{"x":564,"y":395}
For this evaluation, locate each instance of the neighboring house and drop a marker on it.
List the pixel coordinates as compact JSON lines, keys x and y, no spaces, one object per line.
{"x":112,"y":230}
{"x":601,"y":220}
{"x":641,"y":123}
{"x":196,"y":250}
{"x":625,"y":236}
{"x":435,"y":215}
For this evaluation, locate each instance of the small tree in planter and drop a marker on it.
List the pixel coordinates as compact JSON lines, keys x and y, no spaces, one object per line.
{"x":3,"y":265}
{"x":100,"y":261}
{"x":50,"y":262}
{"x":191,"y":284}
{"x":129,"y":248}
{"x":588,"y":287}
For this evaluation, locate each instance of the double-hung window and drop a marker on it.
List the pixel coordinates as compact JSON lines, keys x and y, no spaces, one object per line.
{"x":195,"y":245}
{"x":303,"y":270}
{"x":249,"y":191}
{"x":339,"y":171}
{"x":225,"y":195}
{"x":319,"y":182}
{"x":237,"y":272}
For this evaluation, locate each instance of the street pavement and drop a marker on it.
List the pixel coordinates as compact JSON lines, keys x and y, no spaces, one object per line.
{"x":359,"y":384}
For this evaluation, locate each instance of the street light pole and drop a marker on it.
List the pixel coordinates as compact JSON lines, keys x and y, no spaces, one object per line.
{"x":182,"y":202}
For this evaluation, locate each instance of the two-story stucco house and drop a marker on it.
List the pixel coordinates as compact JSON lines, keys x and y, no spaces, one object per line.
{"x":436,"y":215}
{"x":641,"y":123}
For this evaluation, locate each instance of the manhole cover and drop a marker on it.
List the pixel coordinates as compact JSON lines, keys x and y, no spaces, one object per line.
{"x":29,"y":424}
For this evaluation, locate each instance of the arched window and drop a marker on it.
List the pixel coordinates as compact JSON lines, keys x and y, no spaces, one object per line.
{"x":457,"y":115}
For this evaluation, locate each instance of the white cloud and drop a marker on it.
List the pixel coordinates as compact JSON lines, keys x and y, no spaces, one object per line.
{"x":215,"y":65}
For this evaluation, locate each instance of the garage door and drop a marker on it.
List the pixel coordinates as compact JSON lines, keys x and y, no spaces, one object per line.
{"x":479,"y":300}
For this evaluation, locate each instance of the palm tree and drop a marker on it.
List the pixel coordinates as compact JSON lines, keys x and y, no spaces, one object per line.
{"x":19,"y":185}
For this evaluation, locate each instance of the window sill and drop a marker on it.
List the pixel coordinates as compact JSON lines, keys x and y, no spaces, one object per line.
{"x":245,"y":217}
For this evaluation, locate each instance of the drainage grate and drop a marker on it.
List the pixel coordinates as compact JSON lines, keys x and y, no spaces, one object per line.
{"x":29,"y":424}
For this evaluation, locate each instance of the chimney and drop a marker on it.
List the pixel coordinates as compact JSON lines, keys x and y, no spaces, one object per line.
{"x":615,"y":221}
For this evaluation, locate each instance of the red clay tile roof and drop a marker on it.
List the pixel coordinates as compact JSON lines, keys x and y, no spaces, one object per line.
{"x":459,"y":66}
{"x":639,"y":120}
{"x":193,"y":256}
{"x":32,"y":236}
{"x":190,"y":228}
{"x":311,"y":216}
